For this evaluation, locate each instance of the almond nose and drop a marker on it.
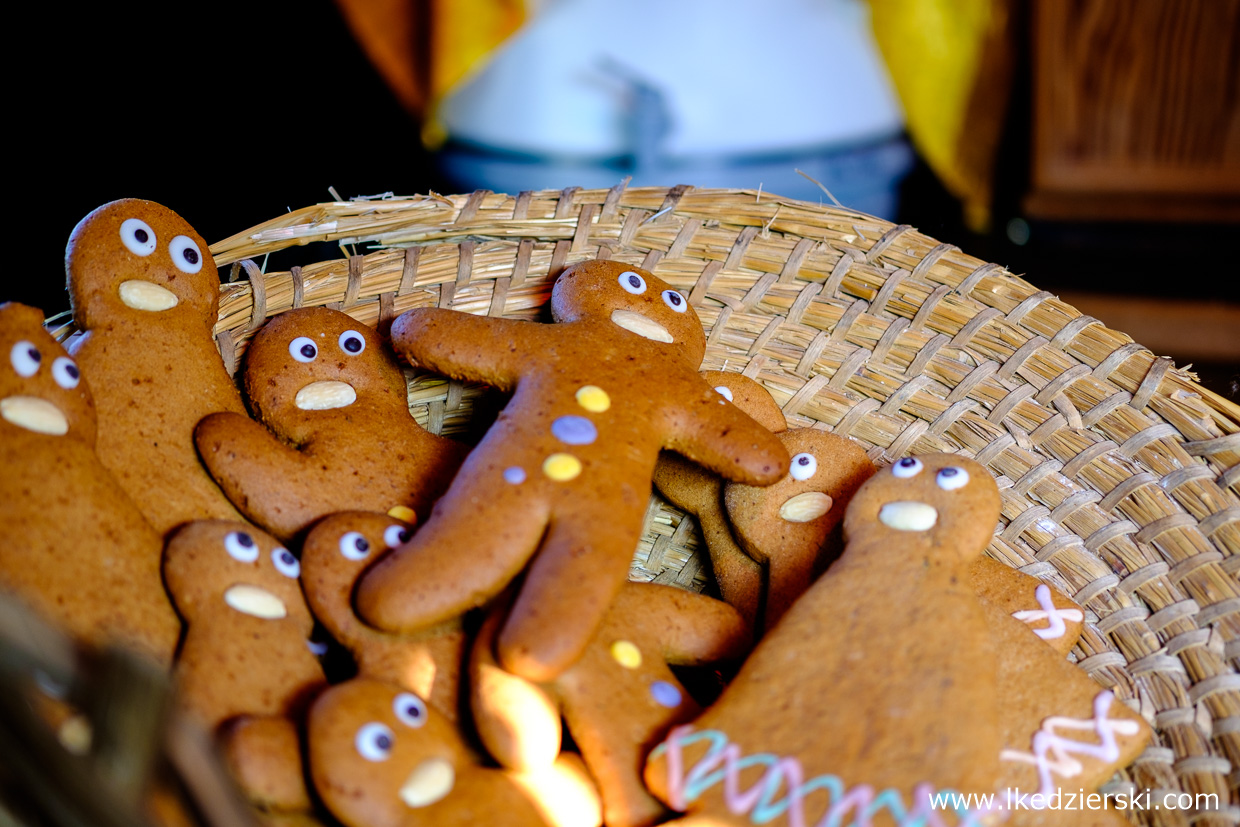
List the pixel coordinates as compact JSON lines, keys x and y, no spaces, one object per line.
{"x":429,"y":782}
{"x":908,"y":516}
{"x":34,"y":414}
{"x":325,"y":395}
{"x":145,"y":295}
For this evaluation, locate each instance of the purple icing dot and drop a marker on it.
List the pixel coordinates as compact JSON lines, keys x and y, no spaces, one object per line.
{"x":574,"y":430}
{"x":514,"y":475}
{"x":665,"y":694}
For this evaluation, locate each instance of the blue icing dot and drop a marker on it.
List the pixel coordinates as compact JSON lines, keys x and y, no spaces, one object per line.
{"x":574,"y":430}
{"x":665,"y":694}
{"x":514,"y":475}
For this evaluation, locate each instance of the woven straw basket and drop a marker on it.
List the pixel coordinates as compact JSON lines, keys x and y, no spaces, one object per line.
{"x":1119,"y":473}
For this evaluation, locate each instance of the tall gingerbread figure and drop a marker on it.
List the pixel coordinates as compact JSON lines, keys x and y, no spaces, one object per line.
{"x":561,"y":481}
{"x":146,"y":292}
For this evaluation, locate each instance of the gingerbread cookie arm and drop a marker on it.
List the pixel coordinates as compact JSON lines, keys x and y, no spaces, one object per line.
{"x":1048,"y":612}
{"x":692,"y":628}
{"x":721,"y":437}
{"x":463,"y":346}
{"x":517,"y":720}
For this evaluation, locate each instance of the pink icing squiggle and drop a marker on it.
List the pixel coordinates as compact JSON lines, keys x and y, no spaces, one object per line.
{"x":725,"y":762}
{"x":1053,"y":753}
{"x":1050,"y":613}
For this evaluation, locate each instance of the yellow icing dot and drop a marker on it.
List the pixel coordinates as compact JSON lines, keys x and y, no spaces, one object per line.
{"x":562,"y":467}
{"x":626,"y":654}
{"x":593,"y":398}
{"x":403,"y":512}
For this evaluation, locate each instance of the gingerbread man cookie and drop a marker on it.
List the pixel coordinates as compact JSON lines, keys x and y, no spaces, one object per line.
{"x":562,"y":480}
{"x":697,"y":491}
{"x":341,"y":436}
{"x":145,"y":291}
{"x":336,"y":552}
{"x":73,"y":546}
{"x":246,"y":652}
{"x":618,"y":700}
{"x":884,"y":673}
{"x":380,"y":757}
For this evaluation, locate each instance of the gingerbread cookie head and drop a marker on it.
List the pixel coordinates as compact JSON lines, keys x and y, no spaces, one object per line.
{"x":213,"y":566}
{"x":633,"y":299}
{"x":947,"y":500}
{"x":135,"y":259}
{"x":315,"y":359}
{"x":41,"y":388}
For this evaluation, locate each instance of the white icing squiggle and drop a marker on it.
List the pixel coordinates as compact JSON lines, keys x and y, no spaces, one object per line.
{"x":1053,"y":753}
{"x":1052,"y":615}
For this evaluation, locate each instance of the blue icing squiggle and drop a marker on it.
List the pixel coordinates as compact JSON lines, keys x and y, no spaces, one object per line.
{"x":574,"y":430}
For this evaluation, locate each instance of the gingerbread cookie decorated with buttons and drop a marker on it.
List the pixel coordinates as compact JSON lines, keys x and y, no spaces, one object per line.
{"x":338,"y":435}
{"x":336,"y":552}
{"x":884,"y":674}
{"x":73,"y":546}
{"x":380,"y":757}
{"x":246,"y":651}
{"x":559,"y":485}
{"x":618,"y":700}
{"x":146,"y":292}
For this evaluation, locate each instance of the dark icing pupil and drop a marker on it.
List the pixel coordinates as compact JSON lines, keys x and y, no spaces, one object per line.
{"x":34,"y":355}
{"x":803,"y":461}
{"x":383,"y":742}
{"x":308,"y":351}
{"x":190,"y":255}
{"x":412,"y":711}
{"x":635,"y":281}
{"x":362,"y":544}
{"x":403,"y":535}
{"x":907,"y":462}
{"x":674,"y":298}
{"x":353,"y":344}
{"x":72,"y":371}
{"x":286,"y":557}
{"x":140,"y":235}
{"x":244,"y":540}
{"x":949,"y":472}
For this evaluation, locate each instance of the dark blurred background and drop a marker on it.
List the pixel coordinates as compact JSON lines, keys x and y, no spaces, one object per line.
{"x":231,"y":113}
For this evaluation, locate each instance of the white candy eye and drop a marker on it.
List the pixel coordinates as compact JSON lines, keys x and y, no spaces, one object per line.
{"x":395,"y":535}
{"x":725,"y":392}
{"x":241,"y":546}
{"x":374,"y":742}
{"x":66,"y":373}
{"x":138,"y":236}
{"x":803,"y":466}
{"x":907,"y":467}
{"x":410,"y":709}
{"x":675,"y":301}
{"x":303,"y":349}
{"x":185,"y":254}
{"x":949,"y":479}
{"x":25,"y":358}
{"x":632,"y":282}
{"x":354,"y":546}
{"x":352,"y":342}
{"x":285,"y":563}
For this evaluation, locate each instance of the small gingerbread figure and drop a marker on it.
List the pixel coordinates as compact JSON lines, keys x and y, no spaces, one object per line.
{"x":246,"y":653}
{"x":336,"y":552}
{"x":380,"y":757}
{"x":73,"y":546}
{"x":559,"y":485}
{"x":146,"y":292}
{"x":338,"y":435}
{"x":884,"y":672}
{"x":618,"y":700}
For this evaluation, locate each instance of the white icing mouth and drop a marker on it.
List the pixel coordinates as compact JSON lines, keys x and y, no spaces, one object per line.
{"x":429,"y":782}
{"x":908,"y":516}
{"x":144,"y":295}
{"x":256,"y":602}
{"x":34,"y":414}
{"x":325,"y":395}
{"x":642,"y":326}
{"x":804,"y":507}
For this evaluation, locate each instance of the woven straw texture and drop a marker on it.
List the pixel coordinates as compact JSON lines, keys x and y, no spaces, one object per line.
{"x":1119,"y":473}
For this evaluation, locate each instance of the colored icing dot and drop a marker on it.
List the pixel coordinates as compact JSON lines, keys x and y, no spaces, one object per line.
{"x":593,"y":398}
{"x":574,"y":430}
{"x":626,"y":654}
{"x":403,"y":512}
{"x":665,"y":694}
{"x":562,"y":467}
{"x":514,"y":475}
